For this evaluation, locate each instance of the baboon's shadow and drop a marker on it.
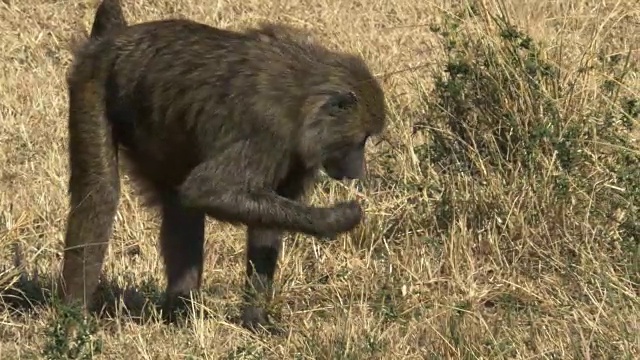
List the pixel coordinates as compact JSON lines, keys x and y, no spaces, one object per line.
{"x":139,"y":304}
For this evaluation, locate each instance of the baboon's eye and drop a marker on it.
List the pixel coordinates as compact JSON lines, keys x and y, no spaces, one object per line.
{"x":340,"y":101}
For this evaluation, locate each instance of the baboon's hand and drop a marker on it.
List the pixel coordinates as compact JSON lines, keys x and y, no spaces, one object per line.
{"x":340,"y":218}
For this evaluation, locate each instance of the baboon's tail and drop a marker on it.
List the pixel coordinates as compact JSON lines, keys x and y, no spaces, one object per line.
{"x":109,"y":17}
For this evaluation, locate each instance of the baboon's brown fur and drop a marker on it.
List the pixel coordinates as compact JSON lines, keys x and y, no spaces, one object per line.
{"x":226,"y":124}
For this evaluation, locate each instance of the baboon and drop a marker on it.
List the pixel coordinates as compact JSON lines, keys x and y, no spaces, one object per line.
{"x":227,"y":124}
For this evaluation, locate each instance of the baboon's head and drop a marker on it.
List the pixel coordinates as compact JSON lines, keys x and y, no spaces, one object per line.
{"x":343,"y":118}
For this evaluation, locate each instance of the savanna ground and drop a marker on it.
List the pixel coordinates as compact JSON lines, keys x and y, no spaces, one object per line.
{"x":502,"y":204}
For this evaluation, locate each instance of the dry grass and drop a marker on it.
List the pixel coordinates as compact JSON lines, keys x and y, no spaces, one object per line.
{"x":519,"y":254}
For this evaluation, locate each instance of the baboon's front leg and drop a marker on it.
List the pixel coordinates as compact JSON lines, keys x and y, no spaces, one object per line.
{"x":263,"y":250}
{"x":249,"y":199}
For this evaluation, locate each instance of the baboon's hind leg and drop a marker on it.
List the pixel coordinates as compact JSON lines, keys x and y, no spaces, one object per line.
{"x":182,"y":246}
{"x":94,"y":187}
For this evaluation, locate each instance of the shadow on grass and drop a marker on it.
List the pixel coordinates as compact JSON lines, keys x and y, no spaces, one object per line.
{"x":139,"y":304}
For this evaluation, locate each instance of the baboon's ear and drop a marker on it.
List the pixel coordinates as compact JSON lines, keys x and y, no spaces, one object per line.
{"x":339,"y":102}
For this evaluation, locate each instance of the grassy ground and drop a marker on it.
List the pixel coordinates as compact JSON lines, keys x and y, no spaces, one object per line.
{"x":503,"y":201}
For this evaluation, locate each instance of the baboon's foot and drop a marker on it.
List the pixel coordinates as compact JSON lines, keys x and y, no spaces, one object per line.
{"x":256,"y":319}
{"x":177,"y":307}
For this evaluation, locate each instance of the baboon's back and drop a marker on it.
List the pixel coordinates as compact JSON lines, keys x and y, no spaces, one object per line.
{"x":178,"y":90}
{"x":176,"y":85}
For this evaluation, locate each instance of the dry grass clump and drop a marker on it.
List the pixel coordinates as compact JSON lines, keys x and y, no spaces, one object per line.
{"x":503,"y":202}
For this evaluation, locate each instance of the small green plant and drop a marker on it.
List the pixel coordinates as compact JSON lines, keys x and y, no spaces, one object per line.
{"x":246,"y":353}
{"x":77,"y":344}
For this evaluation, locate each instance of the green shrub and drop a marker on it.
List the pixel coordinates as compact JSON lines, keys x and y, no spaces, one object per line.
{"x":516,"y":129}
